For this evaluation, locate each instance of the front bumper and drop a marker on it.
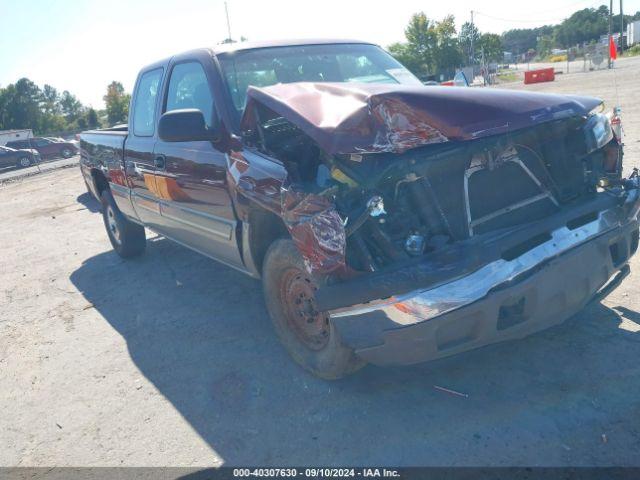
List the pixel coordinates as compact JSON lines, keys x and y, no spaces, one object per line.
{"x":501,"y":301}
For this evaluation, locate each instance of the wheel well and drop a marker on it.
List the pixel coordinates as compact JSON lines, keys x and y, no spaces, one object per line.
{"x":100,"y":181}
{"x":265,"y":228}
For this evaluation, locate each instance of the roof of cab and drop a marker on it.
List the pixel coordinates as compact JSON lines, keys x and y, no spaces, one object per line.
{"x":238,"y":46}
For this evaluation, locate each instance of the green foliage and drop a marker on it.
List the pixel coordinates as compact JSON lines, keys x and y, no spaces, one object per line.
{"x":24,"y":105}
{"x":521,"y":40}
{"x":433,"y":47}
{"x":491,"y":46}
{"x":117,"y":102}
{"x":544,"y":46}
{"x":420,"y":43}
{"x":633,"y":51}
{"x":402,"y":52}
{"x":92,"y":118}
{"x":469,"y":36}
{"x":430,"y":47}
{"x":447,"y":54}
{"x":71,"y":107}
{"x":583,"y":26}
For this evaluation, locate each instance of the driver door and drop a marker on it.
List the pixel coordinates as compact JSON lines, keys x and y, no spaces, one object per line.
{"x":195,"y":204}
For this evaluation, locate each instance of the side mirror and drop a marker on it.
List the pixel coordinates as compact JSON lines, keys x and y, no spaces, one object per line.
{"x":186,"y":125}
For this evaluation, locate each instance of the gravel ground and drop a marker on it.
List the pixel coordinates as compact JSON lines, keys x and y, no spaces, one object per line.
{"x":170,"y":359}
{"x":13,"y":174}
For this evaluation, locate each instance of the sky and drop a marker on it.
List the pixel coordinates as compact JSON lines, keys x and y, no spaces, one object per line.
{"x":81,"y":46}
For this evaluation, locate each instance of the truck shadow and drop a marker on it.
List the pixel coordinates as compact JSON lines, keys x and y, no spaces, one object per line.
{"x":89,"y":202}
{"x":200,"y":333}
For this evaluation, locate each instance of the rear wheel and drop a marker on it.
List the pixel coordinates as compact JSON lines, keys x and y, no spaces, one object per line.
{"x":24,"y":162}
{"x":127,"y":238}
{"x":308,"y":335}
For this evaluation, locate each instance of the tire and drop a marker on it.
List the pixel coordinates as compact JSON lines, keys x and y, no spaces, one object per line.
{"x":66,"y":153}
{"x":127,"y":238}
{"x":309,"y":336}
{"x":24,"y":162}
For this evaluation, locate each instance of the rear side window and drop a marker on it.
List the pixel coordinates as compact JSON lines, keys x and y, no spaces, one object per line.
{"x":144,"y":107}
{"x":188,"y":88}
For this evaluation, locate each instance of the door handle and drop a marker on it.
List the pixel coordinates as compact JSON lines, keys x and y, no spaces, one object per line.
{"x":160,"y":162}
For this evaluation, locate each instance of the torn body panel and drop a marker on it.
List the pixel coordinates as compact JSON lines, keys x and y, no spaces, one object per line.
{"x":366,"y":118}
{"x":312,"y":221}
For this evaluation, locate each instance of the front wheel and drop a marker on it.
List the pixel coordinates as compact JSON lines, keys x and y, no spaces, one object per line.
{"x":24,"y":162}
{"x":67,"y":153}
{"x":308,"y":335}
{"x":127,"y":238}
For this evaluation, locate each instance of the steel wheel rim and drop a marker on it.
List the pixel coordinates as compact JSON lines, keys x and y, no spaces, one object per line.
{"x":297,"y":294}
{"x":112,"y":224}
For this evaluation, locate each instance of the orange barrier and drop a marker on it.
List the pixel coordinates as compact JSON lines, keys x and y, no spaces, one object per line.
{"x":541,"y":75}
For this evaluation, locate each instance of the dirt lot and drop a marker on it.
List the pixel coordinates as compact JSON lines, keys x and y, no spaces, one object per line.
{"x":11,"y":174}
{"x":171,"y":360}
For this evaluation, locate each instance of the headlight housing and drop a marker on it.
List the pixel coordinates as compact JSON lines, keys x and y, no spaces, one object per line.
{"x":597,"y":131}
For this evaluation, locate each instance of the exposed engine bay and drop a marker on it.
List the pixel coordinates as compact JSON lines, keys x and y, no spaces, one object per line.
{"x":385,"y":208}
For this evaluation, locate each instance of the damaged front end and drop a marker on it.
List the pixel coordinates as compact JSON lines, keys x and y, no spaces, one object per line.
{"x":419,"y":203}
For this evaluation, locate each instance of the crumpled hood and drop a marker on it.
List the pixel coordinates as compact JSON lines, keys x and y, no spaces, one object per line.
{"x":371,"y":118}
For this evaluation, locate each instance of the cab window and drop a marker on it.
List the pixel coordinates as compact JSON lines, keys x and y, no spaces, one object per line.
{"x":144,"y":107}
{"x":188,"y":88}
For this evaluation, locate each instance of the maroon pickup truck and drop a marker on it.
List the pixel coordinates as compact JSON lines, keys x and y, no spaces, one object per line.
{"x":390,"y":222}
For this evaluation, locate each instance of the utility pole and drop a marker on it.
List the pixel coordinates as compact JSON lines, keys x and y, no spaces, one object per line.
{"x":473,"y":32}
{"x":610,"y":29}
{"x":226,"y":11}
{"x":621,"y":29}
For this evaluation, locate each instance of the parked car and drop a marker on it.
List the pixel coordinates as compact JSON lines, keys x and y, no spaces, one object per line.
{"x":46,"y":147}
{"x":390,"y":222}
{"x":10,"y":157}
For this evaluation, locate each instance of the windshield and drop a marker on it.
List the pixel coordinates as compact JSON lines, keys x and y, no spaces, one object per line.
{"x":309,"y":63}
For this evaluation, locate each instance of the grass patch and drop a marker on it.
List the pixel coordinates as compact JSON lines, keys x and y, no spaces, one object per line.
{"x":633,"y":51}
{"x":507,"y":77}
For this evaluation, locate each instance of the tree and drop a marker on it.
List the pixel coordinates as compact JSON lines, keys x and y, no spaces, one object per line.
{"x":70,"y":106}
{"x":50,"y":100}
{"x":431,"y":47}
{"x":117,"y":102}
{"x":406,"y":57}
{"x":544,"y":46}
{"x":522,"y":40}
{"x":469,"y":33}
{"x":491,"y":46}
{"x":420,"y":43}
{"x":584,"y":25}
{"x":20,"y":105}
{"x":92,"y":118}
{"x":447,"y":55}
{"x":25,"y":105}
